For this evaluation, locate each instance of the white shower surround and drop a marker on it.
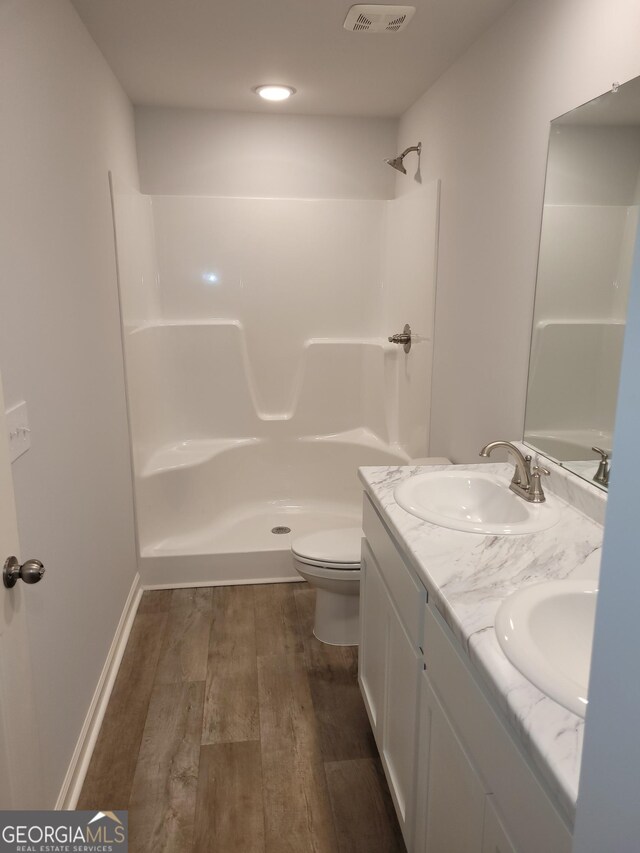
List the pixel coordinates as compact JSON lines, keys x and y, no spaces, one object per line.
{"x":259,"y":375}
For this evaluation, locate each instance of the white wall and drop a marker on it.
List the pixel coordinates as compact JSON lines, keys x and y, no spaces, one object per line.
{"x":607,"y":817}
{"x":484,"y":127}
{"x":65,"y":122}
{"x":201,"y":152}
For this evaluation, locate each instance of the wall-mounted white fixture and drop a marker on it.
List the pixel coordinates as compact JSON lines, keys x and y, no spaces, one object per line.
{"x":273,"y":92}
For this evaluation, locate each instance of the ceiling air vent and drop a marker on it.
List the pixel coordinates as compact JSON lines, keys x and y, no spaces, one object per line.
{"x":378,"y":19}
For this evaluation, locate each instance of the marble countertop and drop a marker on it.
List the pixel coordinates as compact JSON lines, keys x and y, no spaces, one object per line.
{"x":468,"y":575}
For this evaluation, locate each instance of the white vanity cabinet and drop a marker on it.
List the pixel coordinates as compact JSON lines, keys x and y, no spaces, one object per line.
{"x":390,"y":663}
{"x":459,"y":780}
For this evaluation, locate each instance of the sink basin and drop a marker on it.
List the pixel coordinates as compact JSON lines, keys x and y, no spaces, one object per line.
{"x":546,"y":631}
{"x":474,"y":502}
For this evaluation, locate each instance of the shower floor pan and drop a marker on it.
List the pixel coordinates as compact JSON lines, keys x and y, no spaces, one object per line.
{"x":242,"y":545}
{"x":206,"y":510}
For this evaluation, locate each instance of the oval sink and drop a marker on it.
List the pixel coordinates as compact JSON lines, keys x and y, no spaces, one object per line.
{"x":474,"y":502}
{"x":546,"y":631}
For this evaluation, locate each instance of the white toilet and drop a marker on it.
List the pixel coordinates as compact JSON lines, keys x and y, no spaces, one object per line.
{"x":330,"y":561}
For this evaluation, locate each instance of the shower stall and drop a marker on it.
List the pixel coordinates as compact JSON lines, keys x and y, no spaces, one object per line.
{"x":259,"y":371}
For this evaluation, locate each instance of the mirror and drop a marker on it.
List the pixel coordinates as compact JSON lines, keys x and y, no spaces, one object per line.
{"x":587,"y":243}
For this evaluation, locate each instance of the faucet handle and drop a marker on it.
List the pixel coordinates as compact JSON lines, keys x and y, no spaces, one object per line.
{"x":536,"y":491}
{"x":604,"y":470}
{"x":537,"y":470}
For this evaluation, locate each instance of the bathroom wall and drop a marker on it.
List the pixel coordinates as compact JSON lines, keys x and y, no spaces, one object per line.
{"x":206,"y":152}
{"x":484,"y":127}
{"x":65,"y":123}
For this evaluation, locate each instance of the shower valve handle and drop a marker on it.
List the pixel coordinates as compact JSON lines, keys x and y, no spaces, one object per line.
{"x":403,"y":337}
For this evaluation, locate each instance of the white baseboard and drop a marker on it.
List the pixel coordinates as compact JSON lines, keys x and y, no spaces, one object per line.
{"x":79,"y":765}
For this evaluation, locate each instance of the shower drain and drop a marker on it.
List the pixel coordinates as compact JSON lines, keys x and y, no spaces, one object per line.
{"x":279,"y":530}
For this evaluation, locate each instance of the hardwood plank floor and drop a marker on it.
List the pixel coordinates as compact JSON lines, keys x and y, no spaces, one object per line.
{"x":362,"y":808}
{"x":277,"y":625}
{"x":114,"y":758}
{"x":333,"y":673}
{"x":231,"y":729}
{"x":229,"y":812}
{"x":155,"y":601}
{"x":184,"y":651}
{"x":163,"y":796}
{"x":296,"y":799}
{"x":231,"y":700}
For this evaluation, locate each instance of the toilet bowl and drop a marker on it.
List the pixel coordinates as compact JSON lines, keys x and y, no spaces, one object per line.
{"x":330,"y":561}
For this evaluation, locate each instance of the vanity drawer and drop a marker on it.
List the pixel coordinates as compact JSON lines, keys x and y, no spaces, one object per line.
{"x":533,"y":822}
{"x":409,"y":596}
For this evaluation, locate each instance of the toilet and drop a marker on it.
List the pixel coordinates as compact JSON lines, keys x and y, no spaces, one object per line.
{"x":330,"y":561}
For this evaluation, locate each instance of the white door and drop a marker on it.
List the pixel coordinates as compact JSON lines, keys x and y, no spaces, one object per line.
{"x":400,"y":721}
{"x":20,"y":776}
{"x":372,"y":654}
{"x":450,"y":796}
{"x":494,"y":835}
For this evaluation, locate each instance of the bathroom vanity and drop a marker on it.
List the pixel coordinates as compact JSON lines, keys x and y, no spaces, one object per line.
{"x":477,"y":758}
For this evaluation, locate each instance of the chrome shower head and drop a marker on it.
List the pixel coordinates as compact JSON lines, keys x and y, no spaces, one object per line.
{"x":396,"y":162}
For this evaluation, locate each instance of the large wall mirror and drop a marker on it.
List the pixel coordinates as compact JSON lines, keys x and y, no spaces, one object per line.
{"x":587,"y":244}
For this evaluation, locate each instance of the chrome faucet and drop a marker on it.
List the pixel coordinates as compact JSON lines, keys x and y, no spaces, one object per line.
{"x":526,"y":481}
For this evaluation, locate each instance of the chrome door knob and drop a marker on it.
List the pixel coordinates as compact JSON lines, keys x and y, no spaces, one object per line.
{"x":403,"y":337}
{"x":30,"y":572}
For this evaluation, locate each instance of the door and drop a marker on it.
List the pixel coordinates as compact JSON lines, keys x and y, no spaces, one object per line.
{"x":389,"y":677}
{"x":450,"y":795}
{"x":20,"y":776}
{"x":372,"y":654}
{"x":400,"y":721}
{"x":494,"y":836}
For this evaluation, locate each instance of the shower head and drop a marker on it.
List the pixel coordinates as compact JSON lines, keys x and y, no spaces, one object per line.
{"x":396,"y":162}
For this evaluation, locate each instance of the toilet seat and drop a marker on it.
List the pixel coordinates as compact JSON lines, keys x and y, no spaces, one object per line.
{"x":337,"y":549}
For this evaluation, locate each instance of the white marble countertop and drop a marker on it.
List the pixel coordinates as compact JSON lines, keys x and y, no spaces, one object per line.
{"x":468,"y":575}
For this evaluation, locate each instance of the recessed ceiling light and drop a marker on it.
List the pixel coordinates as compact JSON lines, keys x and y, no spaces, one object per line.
{"x":271,"y":92}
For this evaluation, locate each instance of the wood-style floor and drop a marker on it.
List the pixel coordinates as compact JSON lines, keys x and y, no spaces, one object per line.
{"x":231,"y":729}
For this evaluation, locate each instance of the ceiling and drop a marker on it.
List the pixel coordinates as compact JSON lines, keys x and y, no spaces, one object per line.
{"x":209,"y":54}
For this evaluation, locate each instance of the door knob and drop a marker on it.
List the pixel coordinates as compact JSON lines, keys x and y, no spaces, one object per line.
{"x":403,"y":337}
{"x":31,"y":572}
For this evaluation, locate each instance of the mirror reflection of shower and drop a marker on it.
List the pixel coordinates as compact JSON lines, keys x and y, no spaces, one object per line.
{"x":396,"y":162}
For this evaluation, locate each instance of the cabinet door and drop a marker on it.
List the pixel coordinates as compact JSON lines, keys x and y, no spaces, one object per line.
{"x":495,"y":838}
{"x":372,"y":654}
{"x":450,"y":796}
{"x":401,"y":721}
